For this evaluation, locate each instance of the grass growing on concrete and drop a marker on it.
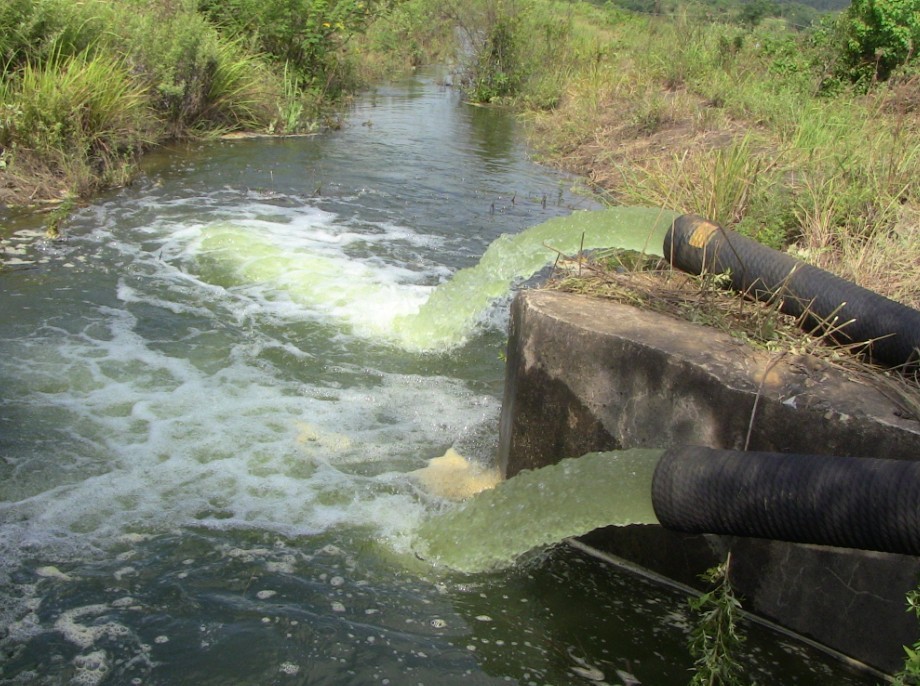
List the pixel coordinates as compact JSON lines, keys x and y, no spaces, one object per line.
{"x":652,"y":284}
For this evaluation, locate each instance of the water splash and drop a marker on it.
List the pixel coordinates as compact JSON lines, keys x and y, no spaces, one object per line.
{"x":540,"y":507}
{"x":453,"y":309}
{"x":382,"y":303}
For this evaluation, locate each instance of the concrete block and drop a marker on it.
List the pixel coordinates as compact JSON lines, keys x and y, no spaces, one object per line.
{"x":587,"y":374}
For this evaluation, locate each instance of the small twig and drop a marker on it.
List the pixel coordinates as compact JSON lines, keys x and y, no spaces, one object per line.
{"x":763,"y":381}
{"x":555,"y":262}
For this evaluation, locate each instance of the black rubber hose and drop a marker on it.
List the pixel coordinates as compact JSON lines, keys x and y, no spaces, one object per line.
{"x":850,"y":502}
{"x":848,"y":313}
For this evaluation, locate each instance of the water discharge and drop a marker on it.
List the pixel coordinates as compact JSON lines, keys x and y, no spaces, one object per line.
{"x":454,"y":307}
{"x":540,"y":507}
{"x":416,"y":317}
{"x":232,"y":404}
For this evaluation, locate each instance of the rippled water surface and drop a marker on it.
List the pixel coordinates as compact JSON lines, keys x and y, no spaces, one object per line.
{"x":215,"y":390}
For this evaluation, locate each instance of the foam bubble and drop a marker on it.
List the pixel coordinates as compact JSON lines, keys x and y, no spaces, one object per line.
{"x":52,"y":572}
{"x":455,"y":477}
{"x":289,"y":668}
{"x":19,"y":614}
{"x":91,"y":668}
{"x":85,"y":635}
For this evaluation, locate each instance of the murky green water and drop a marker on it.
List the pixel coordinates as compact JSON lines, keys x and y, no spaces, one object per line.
{"x":214,"y":391}
{"x":540,"y":507}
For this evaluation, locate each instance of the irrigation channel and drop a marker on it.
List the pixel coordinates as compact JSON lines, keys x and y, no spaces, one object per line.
{"x":218,"y":390}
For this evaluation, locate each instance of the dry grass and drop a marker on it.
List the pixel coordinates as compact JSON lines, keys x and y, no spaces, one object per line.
{"x":654,"y":285}
{"x":887,"y":263}
{"x":674,"y":116}
{"x":733,"y":172}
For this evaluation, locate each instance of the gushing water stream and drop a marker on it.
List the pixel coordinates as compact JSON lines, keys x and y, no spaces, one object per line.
{"x":378,"y":304}
{"x":216,"y":395}
{"x":538,"y":508}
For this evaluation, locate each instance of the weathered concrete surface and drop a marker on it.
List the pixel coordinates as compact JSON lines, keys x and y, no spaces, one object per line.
{"x":586,"y":375}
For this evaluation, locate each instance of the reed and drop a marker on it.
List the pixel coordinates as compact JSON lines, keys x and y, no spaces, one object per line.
{"x":83,"y":114}
{"x":242,"y":92}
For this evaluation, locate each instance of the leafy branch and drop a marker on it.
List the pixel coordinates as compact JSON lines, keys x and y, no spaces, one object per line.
{"x":714,"y":640}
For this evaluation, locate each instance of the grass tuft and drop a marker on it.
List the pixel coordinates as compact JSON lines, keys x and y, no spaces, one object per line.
{"x":83,"y":117}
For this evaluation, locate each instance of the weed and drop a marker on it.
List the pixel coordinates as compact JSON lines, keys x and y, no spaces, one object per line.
{"x":910,"y":673}
{"x":714,"y":639}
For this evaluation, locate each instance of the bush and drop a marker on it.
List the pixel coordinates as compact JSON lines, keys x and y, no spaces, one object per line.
{"x":34,"y":30}
{"x":197,"y":81}
{"x":305,"y":35}
{"x":84,"y":116}
{"x":876,"y":37}
{"x":497,"y":69}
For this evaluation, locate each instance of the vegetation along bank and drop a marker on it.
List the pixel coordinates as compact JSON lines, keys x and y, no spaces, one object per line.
{"x":88,"y":85}
{"x":796,"y":124}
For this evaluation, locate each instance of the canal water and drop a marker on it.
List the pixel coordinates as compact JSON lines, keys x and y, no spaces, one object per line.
{"x":217,"y":392}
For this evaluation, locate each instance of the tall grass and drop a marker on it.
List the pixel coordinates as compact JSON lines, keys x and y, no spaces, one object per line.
{"x":242,"y":93}
{"x":81,"y":116}
{"x":86,"y":86}
{"x":735,"y":124}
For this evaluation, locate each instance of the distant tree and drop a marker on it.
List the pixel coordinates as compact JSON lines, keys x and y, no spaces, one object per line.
{"x":798,"y":16}
{"x":752,"y":13}
{"x":877,"y":37}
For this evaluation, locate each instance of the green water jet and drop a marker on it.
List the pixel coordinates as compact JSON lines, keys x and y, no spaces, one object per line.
{"x":351,"y":291}
{"x":540,"y":507}
{"x":452,"y":310}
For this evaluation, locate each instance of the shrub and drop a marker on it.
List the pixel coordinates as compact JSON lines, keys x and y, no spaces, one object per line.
{"x":497,"y":70}
{"x":876,"y":37}
{"x":35,"y":30}
{"x":175,"y":54}
{"x":305,"y":35}
{"x":81,"y":115}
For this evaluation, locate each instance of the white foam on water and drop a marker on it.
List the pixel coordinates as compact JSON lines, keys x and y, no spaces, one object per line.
{"x":212,"y":435}
{"x":156,"y":442}
{"x":304,"y":262}
{"x":72,"y":625}
{"x":91,"y":668}
{"x":307,"y":266}
{"x":152,"y":440}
